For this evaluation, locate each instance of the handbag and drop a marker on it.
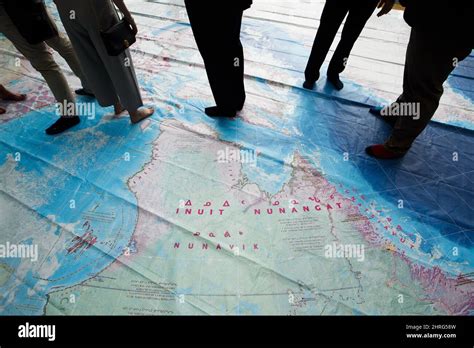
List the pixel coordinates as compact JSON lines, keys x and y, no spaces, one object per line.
{"x":118,"y":38}
{"x":31,"y":19}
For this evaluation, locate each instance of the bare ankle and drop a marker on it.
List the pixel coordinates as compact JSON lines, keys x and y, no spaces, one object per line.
{"x":118,"y":108}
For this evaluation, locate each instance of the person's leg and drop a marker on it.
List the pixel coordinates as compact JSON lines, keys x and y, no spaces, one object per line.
{"x":63,"y":46}
{"x":119,"y":69}
{"x":382,"y":112}
{"x":216,"y":40}
{"x":5,"y":94}
{"x":112,"y":79}
{"x":2,"y":110}
{"x":42,"y":60}
{"x":331,"y":19}
{"x":428,"y":65}
{"x":379,"y":150}
{"x":200,"y":25}
{"x":91,"y":63}
{"x":385,"y":114}
{"x":359,"y":14}
{"x":127,"y":87}
{"x":238,"y":66}
{"x":226,"y":73}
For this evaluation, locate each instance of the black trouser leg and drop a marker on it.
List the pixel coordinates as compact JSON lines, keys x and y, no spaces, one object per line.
{"x":333,"y":14}
{"x":200,"y":20}
{"x":218,"y":40}
{"x":226,"y":72}
{"x":238,"y":66}
{"x":359,"y":14}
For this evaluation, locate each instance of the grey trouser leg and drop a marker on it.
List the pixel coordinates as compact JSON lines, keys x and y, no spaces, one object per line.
{"x":429,"y":62}
{"x":112,"y":79}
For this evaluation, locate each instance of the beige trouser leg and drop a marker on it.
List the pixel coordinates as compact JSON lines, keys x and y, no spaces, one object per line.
{"x":40,"y":58}
{"x":63,"y":46}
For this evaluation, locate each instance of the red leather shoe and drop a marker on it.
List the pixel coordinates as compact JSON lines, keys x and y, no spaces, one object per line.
{"x":381,"y":152}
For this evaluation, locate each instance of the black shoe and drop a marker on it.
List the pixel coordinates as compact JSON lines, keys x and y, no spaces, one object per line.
{"x":310,"y":81}
{"x":377,"y":111}
{"x":82,"y":91}
{"x":309,"y":85}
{"x":63,"y":124}
{"x":215,"y":111}
{"x":335,"y":81}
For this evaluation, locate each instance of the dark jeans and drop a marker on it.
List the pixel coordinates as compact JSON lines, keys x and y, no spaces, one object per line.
{"x":429,"y":62}
{"x":333,"y":15}
{"x":217,"y":35}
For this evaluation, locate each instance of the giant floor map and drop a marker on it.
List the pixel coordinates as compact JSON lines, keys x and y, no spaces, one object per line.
{"x":276,"y":212}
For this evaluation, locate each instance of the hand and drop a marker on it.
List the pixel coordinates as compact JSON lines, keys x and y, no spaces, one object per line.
{"x":386,"y":6}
